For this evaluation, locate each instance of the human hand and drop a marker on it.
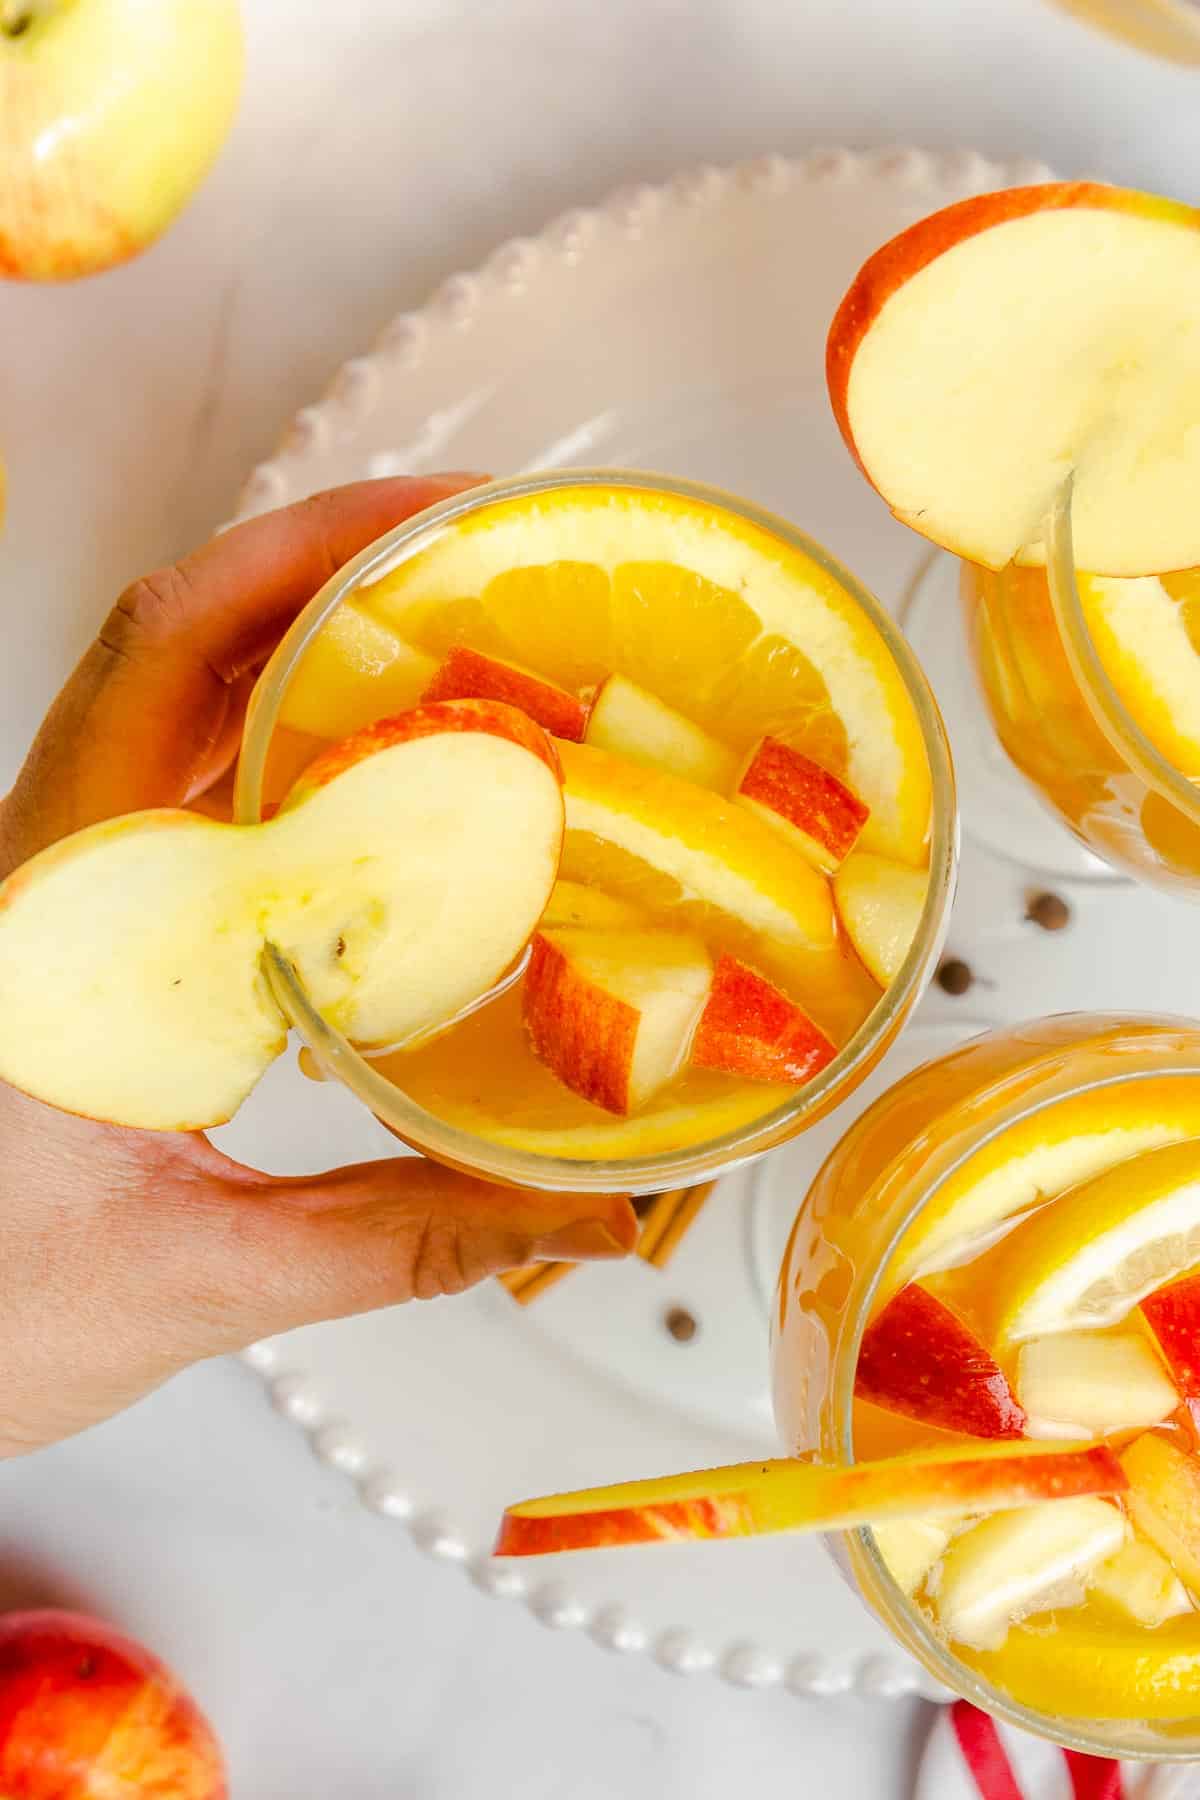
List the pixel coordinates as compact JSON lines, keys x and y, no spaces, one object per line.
{"x":126,"y":1255}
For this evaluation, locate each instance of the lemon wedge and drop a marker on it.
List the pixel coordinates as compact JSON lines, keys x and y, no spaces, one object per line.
{"x":1086,"y":1261}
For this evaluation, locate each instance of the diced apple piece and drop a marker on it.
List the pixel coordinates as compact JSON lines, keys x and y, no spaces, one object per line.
{"x":1042,"y":330}
{"x":1173,"y":1315}
{"x":919,"y":1359}
{"x":880,"y":904}
{"x":1164,"y":1501}
{"x":910,"y":1547}
{"x":469,"y":675}
{"x":1085,"y":1384}
{"x":1142,"y":1584}
{"x":1022,"y":1562}
{"x":750,"y":1028}
{"x":816,"y":812}
{"x":572,"y":903}
{"x":625,"y":718}
{"x":402,"y":876}
{"x":356,"y":670}
{"x":746,"y":1499}
{"x":612,"y":1013}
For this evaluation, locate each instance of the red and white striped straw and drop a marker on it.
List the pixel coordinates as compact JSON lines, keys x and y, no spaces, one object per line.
{"x":969,"y":1756}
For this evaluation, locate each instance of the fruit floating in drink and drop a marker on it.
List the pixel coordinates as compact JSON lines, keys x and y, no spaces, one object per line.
{"x":1019,"y":377}
{"x":758,"y":839}
{"x":987,"y":1352}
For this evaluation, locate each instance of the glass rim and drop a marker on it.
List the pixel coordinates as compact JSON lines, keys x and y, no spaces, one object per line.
{"x":660,"y":1169}
{"x":881,"y":1590}
{"x":1109,"y":710}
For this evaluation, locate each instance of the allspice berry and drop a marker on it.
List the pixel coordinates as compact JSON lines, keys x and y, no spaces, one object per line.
{"x":954,"y":976}
{"x":681,"y":1324}
{"x":1050,"y":911}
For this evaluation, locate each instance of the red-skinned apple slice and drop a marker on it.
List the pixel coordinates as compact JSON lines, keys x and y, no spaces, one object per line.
{"x":469,"y":675}
{"x":1007,"y":341}
{"x":816,"y":811}
{"x":402,"y":876}
{"x":612,"y":1013}
{"x":1173,"y":1315}
{"x":918,"y":1358}
{"x":751,"y":1029}
{"x":749,"y":1499}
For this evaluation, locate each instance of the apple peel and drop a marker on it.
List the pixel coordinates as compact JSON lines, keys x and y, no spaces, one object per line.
{"x":752,"y":1499}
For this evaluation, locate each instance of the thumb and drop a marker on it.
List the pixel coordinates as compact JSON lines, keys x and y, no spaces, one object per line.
{"x":283,"y":1253}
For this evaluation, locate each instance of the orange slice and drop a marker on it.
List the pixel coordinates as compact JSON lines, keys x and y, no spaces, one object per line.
{"x":717,"y":617}
{"x":1142,"y":632}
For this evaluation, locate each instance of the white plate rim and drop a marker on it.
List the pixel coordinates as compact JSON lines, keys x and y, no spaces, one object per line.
{"x":351,"y":397}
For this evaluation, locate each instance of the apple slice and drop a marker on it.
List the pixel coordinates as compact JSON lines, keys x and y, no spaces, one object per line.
{"x":1164,"y":1501}
{"x":402,"y":876}
{"x":469,"y":675}
{"x":1023,"y":1562}
{"x":910,"y":1548}
{"x":1089,"y":1384}
{"x":612,"y":1013}
{"x":747,"y":1499}
{"x":1173,"y":1315}
{"x":880,"y":904}
{"x":356,"y":669}
{"x":1009,"y":340}
{"x":919,"y":1359}
{"x":625,"y":718}
{"x":816,"y":812}
{"x":1141,"y":1583}
{"x":750,"y":1028}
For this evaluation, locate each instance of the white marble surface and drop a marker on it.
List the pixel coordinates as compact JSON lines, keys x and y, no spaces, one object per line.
{"x":382,"y":145}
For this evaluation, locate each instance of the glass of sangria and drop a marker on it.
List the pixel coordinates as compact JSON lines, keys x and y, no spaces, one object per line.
{"x":1005,"y":1248}
{"x":1019,"y":377}
{"x":760,"y":838}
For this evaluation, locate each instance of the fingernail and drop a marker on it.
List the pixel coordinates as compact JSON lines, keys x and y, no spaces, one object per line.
{"x":584,"y":1240}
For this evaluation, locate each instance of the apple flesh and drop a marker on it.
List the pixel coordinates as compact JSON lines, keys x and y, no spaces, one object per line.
{"x":402,"y":876}
{"x":1140,"y":1583}
{"x":880,"y":905}
{"x":356,"y":670}
{"x":111,"y":112}
{"x":817,"y":812}
{"x":469,"y":675}
{"x":1164,"y":1501}
{"x":919,"y":1359}
{"x":751,"y":1029}
{"x":748,"y":1499}
{"x":85,"y":1713}
{"x":910,"y":1548}
{"x":1016,"y":338}
{"x":612,"y":1013}
{"x":1090,"y":1384}
{"x":1019,"y":1563}
{"x":628,"y":720}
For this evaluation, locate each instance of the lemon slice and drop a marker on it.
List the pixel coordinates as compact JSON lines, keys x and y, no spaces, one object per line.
{"x":1041,"y":1155}
{"x":739,"y":631}
{"x":1085,"y":1261}
{"x":1098,"y":1666}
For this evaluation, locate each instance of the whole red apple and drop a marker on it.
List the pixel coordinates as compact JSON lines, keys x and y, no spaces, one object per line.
{"x":110,"y":113}
{"x":86,"y":1714}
